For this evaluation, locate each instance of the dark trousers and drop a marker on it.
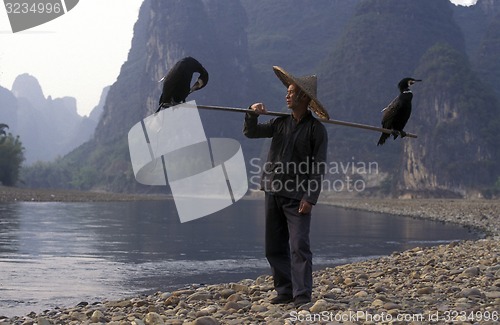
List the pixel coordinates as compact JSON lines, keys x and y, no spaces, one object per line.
{"x":287,"y":246}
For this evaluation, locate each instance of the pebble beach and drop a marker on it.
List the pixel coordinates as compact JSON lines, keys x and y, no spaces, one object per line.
{"x":454,"y":283}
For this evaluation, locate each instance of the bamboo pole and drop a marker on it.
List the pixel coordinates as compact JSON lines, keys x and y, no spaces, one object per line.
{"x":337,"y":122}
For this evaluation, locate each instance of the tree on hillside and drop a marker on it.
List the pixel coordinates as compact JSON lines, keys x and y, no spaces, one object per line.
{"x":11,"y":157}
{"x":3,"y":134}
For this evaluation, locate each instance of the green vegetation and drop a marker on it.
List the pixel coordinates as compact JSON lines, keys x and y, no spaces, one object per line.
{"x":11,"y":157}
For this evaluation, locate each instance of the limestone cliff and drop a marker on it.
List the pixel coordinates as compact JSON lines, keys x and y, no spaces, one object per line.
{"x":456,"y":117}
{"x":166,"y":31}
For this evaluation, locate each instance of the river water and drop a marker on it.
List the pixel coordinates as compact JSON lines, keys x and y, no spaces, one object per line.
{"x":60,"y":254}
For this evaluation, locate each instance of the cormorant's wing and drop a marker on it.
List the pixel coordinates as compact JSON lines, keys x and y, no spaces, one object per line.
{"x":390,"y":112}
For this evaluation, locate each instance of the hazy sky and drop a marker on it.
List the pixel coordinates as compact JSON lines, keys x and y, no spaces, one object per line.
{"x":77,"y":54}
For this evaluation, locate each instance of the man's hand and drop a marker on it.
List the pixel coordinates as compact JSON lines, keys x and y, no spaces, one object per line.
{"x":259,"y":108}
{"x":305,"y":207}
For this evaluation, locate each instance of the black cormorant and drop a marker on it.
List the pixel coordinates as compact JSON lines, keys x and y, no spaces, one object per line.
{"x":177,"y":83}
{"x":397,"y":113}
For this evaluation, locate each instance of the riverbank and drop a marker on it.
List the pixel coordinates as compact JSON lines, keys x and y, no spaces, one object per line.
{"x":17,"y":194}
{"x":483,"y":215}
{"x":457,"y":283}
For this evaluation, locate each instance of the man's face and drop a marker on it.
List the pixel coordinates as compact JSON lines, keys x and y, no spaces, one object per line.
{"x":292,"y":96}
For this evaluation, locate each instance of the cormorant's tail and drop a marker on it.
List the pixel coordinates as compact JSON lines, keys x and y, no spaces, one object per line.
{"x":382,"y":139}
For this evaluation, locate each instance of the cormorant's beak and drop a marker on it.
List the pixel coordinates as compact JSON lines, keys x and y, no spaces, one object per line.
{"x":414,"y":80}
{"x":197,"y":85}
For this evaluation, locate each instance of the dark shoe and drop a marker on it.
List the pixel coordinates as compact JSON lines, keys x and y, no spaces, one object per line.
{"x":301,"y":300}
{"x":281,"y":299}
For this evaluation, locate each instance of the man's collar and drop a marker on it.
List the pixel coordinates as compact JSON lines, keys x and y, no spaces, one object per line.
{"x":306,"y":115}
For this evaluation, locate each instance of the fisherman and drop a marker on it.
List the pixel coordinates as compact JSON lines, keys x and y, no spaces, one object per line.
{"x":291,"y":193}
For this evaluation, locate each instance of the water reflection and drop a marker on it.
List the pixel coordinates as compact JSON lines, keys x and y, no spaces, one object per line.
{"x":63,"y":253}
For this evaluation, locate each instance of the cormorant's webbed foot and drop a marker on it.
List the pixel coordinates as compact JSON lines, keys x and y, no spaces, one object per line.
{"x":402,"y":133}
{"x":162,"y":106}
{"x":167,"y":105}
{"x":395,"y":133}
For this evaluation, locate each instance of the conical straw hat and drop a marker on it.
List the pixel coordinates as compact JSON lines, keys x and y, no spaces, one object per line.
{"x":307,"y":84}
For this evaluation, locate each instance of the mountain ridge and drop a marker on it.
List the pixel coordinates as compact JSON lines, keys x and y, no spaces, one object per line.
{"x":359,"y":62}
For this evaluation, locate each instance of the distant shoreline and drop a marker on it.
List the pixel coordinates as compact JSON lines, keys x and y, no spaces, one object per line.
{"x":17,"y":194}
{"x":479,"y":214}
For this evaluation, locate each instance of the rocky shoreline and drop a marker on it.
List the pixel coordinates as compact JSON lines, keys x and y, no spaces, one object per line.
{"x":456,"y":283}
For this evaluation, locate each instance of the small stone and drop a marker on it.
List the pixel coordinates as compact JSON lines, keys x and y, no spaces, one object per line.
{"x":97,"y":316}
{"x":377,"y":274}
{"x":393,"y":312}
{"x":391,"y":306}
{"x":425,"y":291}
{"x":259,"y":308}
{"x":493,"y":295}
{"x":153,"y":319}
{"x":119,"y":304}
{"x":234,"y":297}
{"x":201,"y":313}
{"x":319,"y":306}
{"x":225,"y":293}
{"x":140,"y":303}
{"x":118,"y":317}
{"x":172,"y":301}
{"x":261,"y":280}
{"x":197,"y":296}
{"x":239,"y":287}
{"x":471,"y":292}
{"x":78,"y":316}
{"x":471,"y":271}
{"x":361,"y":294}
{"x":232,"y":305}
{"x":208,"y":310}
{"x":184,"y":292}
{"x":348,"y":281}
{"x":330,"y":295}
{"x":205,"y":320}
{"x":137,"y":322}
{"x":40,"y":321}
{"x":363,"y":277}
{"x":377,"y":303}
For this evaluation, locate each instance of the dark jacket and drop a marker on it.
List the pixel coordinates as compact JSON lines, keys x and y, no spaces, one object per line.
{"x":297,"y":158}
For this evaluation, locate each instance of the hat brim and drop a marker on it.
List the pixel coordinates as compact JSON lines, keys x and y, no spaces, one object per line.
{"x":315,"y":105}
